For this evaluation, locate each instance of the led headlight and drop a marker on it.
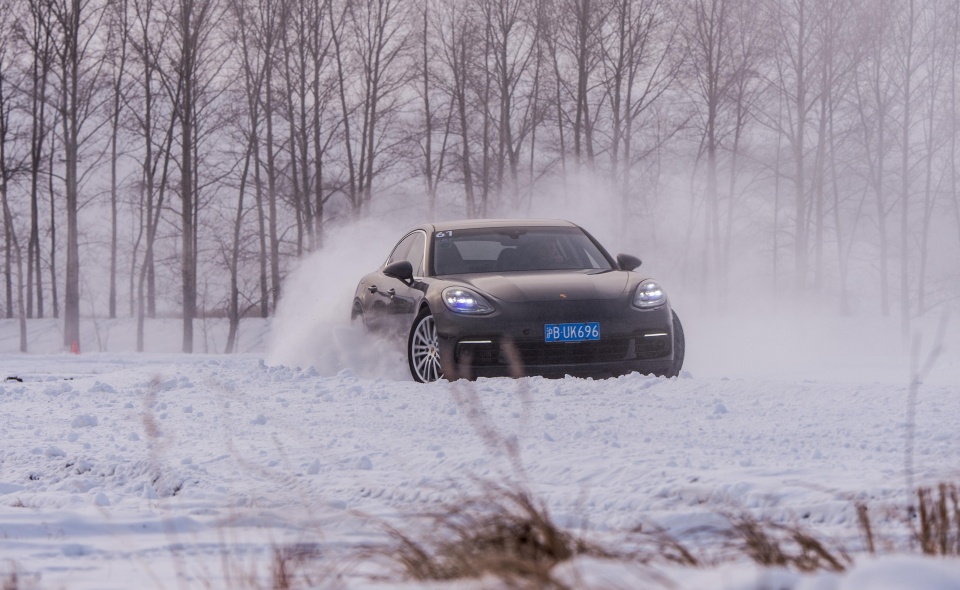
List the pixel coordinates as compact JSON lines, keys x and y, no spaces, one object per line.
{"x":649,"y":294}
{"x":463,"y":300}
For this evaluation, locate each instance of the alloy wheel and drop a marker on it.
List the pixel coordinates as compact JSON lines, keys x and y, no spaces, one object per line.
{"x":425,"y":351}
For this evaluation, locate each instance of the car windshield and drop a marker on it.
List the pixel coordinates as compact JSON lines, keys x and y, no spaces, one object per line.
{"x":513,"y":249}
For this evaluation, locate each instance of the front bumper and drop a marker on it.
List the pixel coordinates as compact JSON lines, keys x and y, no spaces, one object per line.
{"x":511,"y":341}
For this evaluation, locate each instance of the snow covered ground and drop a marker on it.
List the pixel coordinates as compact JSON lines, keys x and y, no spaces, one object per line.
{"x":160,"y":470}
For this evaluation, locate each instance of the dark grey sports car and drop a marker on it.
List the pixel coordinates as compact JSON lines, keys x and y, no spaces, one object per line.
{"x":519,"y":297}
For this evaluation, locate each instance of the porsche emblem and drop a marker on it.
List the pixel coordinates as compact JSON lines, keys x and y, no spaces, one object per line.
{"x":563,"y":296}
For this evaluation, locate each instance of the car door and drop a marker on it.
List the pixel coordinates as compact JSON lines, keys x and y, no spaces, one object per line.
{"x":392,"y":302}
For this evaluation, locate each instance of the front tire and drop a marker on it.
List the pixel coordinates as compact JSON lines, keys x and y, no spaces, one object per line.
{"x":672,"y":369}
{"x":679,"y":348}
{"x":423,"y":349}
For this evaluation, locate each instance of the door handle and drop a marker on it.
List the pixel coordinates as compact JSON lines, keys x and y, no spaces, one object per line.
{"x":372,"y":288}
{"x":391,"y":293}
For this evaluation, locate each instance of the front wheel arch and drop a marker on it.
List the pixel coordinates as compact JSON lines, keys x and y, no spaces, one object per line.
{"x":673,"y":367}
{"x":679,"y":348}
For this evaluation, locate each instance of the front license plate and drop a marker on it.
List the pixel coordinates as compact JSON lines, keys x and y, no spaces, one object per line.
{"x":571,"y":332}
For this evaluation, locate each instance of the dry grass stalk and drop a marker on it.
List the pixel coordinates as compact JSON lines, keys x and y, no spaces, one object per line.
{"x":15,"y":580}
{"x":756,"y":543}
{"x":673,"y":550}
{"x":504,"y":533}
{"x":814,"y":555}
{"x":863,"y":519}
{"x":292,"y":565}
{"x":772,"y":544}
{"x":939,"y":532}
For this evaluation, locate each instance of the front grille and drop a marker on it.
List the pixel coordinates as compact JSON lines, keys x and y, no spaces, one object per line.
{"x":484,"y":355}
{"x":571,"y":353}
{"x":533,"y":353}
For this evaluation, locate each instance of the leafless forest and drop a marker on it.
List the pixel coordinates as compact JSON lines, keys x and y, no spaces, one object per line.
{"x":177,"y":156}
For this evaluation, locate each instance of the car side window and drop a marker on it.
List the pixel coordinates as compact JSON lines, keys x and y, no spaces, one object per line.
{"x":400,"y":252}
{"x":415,"y":254}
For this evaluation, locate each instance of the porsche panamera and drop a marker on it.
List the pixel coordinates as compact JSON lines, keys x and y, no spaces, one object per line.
{"x":486,"y":298}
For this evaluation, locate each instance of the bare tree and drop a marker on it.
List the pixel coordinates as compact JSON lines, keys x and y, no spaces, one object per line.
{"x":936,"y":47}
{"x":294,"y":25}
{"x":513,"y":38}
{"x":750,"y":49}
{"x":194,"y":25}
{"x":908,"y":64}
{"x":458,"y":42}
{"x":14,"y":251}
{"x":432,"y":171}
{"x":255,"y":64}
{"x":9,"y":166}
{"x":584,"y":38}
{"x":371,"y":35}
{"x":118,"y":33}
{"x":796,"y":79}
{"x":840,"y":55}
{"x":74,"y":25}
{"x":322,"y":88}
{"x":233,"y":306}
{"x":875,"y":90}
{"x":708,"y":40}
{"x":146,"y":41}
{"x":307,"y":88}
{"x":154,"y":123}
{"x":36,"y":36}
{"x":51,"y":158}
{"x":954,"y":53}
{"x":270,"y":34}
{"x":641,"y":63}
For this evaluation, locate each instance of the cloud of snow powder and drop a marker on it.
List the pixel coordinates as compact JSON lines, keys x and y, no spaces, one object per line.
{"x":312,"y":325}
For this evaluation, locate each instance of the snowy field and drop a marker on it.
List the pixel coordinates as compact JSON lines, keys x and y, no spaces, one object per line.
{"x":160,"y":470}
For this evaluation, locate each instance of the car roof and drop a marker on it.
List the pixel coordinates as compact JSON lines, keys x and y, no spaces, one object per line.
{"x":497,"y":223}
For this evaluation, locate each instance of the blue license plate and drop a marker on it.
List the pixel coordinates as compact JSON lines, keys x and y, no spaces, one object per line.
{"x":571,"y":332}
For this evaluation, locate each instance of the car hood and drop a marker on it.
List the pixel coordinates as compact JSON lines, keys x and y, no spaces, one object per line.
{"x":524,"y":287}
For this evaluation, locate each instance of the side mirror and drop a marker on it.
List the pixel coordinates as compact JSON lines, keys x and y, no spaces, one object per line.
{"x":628,"y":262}
{"x":402,"y":269}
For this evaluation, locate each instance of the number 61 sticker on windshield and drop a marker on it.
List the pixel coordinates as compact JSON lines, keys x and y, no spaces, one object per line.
{"x":571,"y":332}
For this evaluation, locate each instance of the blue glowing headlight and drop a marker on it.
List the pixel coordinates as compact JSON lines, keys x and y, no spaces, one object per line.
{"x":649,"y":294}
{"x":463,"y":300}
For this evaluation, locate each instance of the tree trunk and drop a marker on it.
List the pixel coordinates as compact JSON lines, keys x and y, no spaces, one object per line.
{"x":70,"y":80}
{"x":233,"y":310}
{"x":12,"y":238}
{"x":188,"y":29}
{"x":905,"y":176}
{"x":54,"y":298}
{"x":40,"y":43}
{"x":12,"y":243}
{"x":114,"y":138}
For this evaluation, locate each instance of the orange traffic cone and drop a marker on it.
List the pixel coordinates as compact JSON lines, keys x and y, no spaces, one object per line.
{"x":75,"y":348}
